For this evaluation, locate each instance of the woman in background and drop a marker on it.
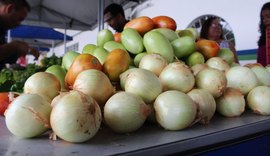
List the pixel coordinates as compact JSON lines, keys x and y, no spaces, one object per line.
{"x":264,"y":24}
{"x":212,"y":30}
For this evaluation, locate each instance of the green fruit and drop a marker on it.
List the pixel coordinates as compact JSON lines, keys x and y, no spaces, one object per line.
{"x":183,"y":46}
{"x":195,"y":58}
{"x":227,"y":55}
{"x":155,"y":42}
{"x":101,"y":54}
{"x":168,"y":33}
{"x":68,"y":58}
{"x":195,"y":32}
{"x":60,"y":74}
{"x":111,"y":45}
{"x":89,"y":48}
{"x":104,"y":36}
{"x":182,"y":33}
{"x":132,"y":41}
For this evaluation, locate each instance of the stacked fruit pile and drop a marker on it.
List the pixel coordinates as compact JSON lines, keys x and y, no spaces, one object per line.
{"x":149,"y":72}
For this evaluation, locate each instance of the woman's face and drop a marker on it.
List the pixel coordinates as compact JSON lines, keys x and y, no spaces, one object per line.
{"x":266,"y":18}
{"x":215,"y":29}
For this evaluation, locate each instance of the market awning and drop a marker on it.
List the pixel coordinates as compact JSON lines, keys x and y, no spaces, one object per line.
{"x":70,"y":14}
{"x":37,"y":32}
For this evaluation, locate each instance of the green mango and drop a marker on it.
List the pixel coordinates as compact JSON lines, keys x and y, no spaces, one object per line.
{"x":183,"y":46}
{"x":104,"y":36}
{"x":101,"y":54}
{"x":168,"y":33}
{"x":60,"y":74}
{"x":88,"y":49}
{"x":111,"y":45}
{"x":132,"y":41}
{"x":68,"y":58}
{"x":155,"y":42}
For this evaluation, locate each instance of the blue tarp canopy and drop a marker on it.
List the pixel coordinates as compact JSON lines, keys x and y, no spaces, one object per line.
{"x":36,"y":32}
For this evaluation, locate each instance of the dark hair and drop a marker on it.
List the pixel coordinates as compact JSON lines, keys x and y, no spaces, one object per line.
{"x":114,"y":9}
{"x":205,"y":27}
{"x":262,"y":30}
{"x":19,"y":4}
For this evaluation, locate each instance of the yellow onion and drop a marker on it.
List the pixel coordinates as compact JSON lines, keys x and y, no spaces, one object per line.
{"x":206,"y":104}
{"x":174,"y":110}
{"x":218,"y":63}
{"x":123,"y":77}
{"x":125,"y":112}
{"x":231,"y":103}
{"x":96,"y":84}
{"x":177,"y":76}
{"x":258,"y":100}
{"x":28,"y":116}
{"x":75,"y":117}
{"x":44,"y":84}
{"x":143,"y":83}
{"x":153,"y":62}
{"x":241,"y":78}
{"x":212,"y":80}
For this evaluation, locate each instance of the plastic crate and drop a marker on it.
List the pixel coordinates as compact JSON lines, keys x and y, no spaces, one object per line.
{"x":268,"y":46}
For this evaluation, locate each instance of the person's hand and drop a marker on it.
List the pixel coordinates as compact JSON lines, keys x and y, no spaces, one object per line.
{"x":23,"y":49}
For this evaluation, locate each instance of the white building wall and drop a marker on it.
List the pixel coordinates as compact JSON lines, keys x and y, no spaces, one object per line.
{"x":242,"y":15}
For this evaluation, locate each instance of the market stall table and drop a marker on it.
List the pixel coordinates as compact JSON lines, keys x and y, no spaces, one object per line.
{"x":148,"y":140}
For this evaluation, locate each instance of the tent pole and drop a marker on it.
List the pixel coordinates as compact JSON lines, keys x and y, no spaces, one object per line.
{"x":65,"y":40}
{"x":8,"y":36}
{"x":100,"y":15}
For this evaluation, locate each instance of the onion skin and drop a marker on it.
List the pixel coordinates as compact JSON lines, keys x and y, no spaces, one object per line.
{"x":218,"y":63}
{"x":76,"y":117}
{"x":44,"y":84}
{"x":241,"y":78}
{"x":177,"y":76}
{"x":258,"y":100}
{"x":125,"y":112}
{"x":96,"y":84}
{"x":206,"y":104}
{"x":153,"y":62}
{"x":28,"y":116}
{"x":174,"y":110}
{"x":231,"y":103}
{"x":143,"y":83}
{"x":212,"y":80}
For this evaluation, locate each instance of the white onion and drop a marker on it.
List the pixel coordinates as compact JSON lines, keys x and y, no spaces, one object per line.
{"x":258,"y":100}
{"x":262,"y":74}
{"x":231,"y":103}
{"x":143,"y":83}
{"x":198,"y":67}
{"x":241,"y":78}
{"x":125,"y":112}
{"x":218,"y":63}
{"x":206,"y":104}
{"x":44,"y":84}
{"x":212,"y":80}
{"x":123,"y":77}
{"x":28,"y":116}
{"x":76,"y":117}
{"x":95,"y":84}
{"x":153,"y":62}
{"x":174,"y":110}
{"x":177,"y":76}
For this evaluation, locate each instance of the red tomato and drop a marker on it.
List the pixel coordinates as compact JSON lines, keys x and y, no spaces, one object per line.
{"x":117,"y":37}
{"x":142,"y":24}
{"x":4,"y":101}
{"x":208,"y":48}
{"x":164,"y":22}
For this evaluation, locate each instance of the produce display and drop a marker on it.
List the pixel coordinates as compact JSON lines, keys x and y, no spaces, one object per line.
{"x":151,"y":72}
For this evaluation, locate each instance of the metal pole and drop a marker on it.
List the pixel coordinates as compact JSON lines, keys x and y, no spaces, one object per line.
{"x":100,"y":15}
{"x":8,"y":36}
{"x":65,"y":40}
